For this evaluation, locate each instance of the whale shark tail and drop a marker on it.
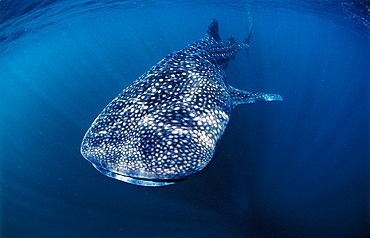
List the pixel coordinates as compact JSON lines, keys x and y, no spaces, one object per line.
{"x":246,"y":41}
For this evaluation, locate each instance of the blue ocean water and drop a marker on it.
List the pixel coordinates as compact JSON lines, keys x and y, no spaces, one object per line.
{"x":299,"y":168}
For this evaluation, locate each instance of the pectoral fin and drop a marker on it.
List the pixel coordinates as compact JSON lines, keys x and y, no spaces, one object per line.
{"x":243,"y":97}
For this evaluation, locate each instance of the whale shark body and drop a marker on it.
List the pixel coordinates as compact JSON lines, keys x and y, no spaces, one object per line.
{"x":165,"y":126}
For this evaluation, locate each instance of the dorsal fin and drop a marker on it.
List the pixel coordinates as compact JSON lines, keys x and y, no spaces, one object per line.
{"x":231,"y":39}
{"x":213,"y":30}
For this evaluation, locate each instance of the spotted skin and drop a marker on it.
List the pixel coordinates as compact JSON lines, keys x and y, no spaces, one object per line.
{"x":165,"y":126}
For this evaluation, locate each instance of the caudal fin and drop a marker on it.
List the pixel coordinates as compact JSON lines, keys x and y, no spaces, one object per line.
{"x":247,"y":40}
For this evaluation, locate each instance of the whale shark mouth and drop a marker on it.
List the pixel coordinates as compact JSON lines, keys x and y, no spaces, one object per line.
{"x":137,"y":180}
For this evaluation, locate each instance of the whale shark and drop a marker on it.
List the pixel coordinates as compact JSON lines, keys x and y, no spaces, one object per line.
{"x":166,"y":125}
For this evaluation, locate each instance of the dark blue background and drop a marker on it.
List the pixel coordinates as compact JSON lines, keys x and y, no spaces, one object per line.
{"x":297,"y":168}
